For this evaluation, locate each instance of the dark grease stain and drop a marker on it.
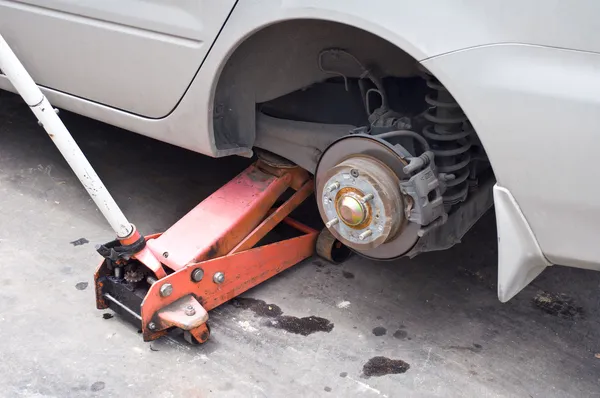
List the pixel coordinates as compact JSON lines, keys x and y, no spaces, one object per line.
{"x":475,"y":348}
{"x":343,"y":374}
{"x":97,"y":386}
{"x":328,"y":272}
{"x":81,"y":285}
{"x":381,"y":366}
{"x":106,"y":315}
{"x":400,"y":334}
{"x":79,"y":242}
{"x":558,"y":305}
{"x":319,"y":264}
{"x":379,"y":317}
{"x":212,"y":251}
{"x":259,"y":307}
{"x":379,"y":331}
{"x":303,"y":326}
{"x":328,"y":389}
{"x":348,"y":275}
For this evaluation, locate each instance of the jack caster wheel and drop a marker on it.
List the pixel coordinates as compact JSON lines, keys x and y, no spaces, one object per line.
{"x":331,"y":249}
{"x":191,"y":339}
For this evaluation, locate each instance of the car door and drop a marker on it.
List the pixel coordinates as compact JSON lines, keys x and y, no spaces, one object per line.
{"x":135,"y":55}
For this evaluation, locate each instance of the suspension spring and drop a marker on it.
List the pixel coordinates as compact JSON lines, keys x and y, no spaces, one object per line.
{"x":449,"y":134}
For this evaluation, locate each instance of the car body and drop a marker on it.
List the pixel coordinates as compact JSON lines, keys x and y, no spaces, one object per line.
{"x":192,"y":73}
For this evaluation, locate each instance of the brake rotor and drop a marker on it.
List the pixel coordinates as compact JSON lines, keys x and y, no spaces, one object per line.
{"x":359,"y":198}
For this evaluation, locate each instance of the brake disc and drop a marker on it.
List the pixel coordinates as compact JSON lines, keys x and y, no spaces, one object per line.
{"x":359,"y":198}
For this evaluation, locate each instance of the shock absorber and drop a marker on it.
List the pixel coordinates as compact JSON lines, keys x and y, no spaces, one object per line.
{"x":449,"y":134}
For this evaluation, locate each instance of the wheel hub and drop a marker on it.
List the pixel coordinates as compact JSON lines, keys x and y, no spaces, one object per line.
{"x":359,"y":197}
{"x":362,"y":202}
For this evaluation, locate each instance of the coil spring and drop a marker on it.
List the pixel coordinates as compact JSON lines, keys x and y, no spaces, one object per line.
{"x":449,"y":133}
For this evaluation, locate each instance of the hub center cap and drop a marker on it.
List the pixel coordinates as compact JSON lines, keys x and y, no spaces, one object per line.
{"x":350,"y":210}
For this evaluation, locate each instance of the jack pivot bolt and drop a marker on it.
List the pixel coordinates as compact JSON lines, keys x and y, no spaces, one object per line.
{"x":219,"y":277}
{"x":365,"y":234}
{"x":166,"y":290}
{"x":197,"y":274}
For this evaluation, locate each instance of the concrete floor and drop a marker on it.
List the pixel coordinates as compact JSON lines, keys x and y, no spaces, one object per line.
{"x":438,"y":313}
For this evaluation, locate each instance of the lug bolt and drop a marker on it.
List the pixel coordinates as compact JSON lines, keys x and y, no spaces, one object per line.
{"x":367,"y":197}
{"x":365,"y":234}
{"x":333,"y":187}
{"x":166,"y":290}
{"x":151,"y":326}
{"x":332,"y":222}
{"x":190,"y":311}
{"x":219,"y":277}
{"x":197,"y":274}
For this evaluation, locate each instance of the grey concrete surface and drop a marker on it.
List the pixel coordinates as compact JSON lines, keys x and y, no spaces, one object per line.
{"x":439,"y":311}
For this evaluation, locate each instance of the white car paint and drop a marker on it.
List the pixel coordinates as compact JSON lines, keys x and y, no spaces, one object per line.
{"x":136,"y":55}
{"x":537,"y":112}
{"x":520,"y":258}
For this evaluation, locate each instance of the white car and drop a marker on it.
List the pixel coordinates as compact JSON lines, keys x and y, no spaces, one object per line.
{"x":407,"y":112}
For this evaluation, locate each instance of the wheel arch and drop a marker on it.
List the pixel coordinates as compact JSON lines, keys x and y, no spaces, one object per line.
{"x":281,"y":57}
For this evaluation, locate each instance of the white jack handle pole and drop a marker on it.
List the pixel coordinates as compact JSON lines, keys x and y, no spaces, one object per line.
{"x":45,"y":113}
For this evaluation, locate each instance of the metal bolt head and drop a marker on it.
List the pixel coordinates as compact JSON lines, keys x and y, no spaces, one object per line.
{"x":350,"y":210}
{"x":166,"y":290}
{"x":219,"y":277}
{"x":354,"y":173}
{"x":166,"y":254}
{"x":190,"y":311}
{"x":151,"y":326}
{"x":197,"y":274}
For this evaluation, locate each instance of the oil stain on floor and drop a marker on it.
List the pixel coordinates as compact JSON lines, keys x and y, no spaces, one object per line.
{"x":381,"y":366}
{"x":379,"y":331}
{"x":558,"y":305}
{"x":302,"y":326}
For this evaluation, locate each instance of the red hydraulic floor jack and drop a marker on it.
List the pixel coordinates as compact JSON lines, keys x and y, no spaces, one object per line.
{"x":208,"y":257}
{"x":171,"y":280}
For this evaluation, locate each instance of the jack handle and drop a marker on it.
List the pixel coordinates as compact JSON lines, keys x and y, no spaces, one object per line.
{"x":48,"y":118}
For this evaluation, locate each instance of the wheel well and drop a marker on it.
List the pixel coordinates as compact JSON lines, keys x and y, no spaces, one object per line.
{"x":296,"y":87}
{"x":283,"y":58}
